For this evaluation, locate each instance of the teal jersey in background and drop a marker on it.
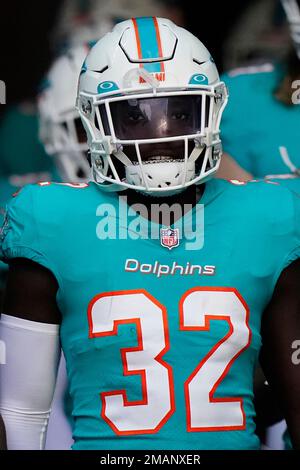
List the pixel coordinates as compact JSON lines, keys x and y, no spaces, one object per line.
{"x":292,"y":183}
{"x":20,"y":150}
{"x":160,"y":344}
{"x":257,"y":130}
{"x":6,"y":192}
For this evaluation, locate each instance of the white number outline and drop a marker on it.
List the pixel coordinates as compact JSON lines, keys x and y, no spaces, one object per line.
{"x":124,"y":351}
{"x":206,"y":327}
{"x":158,"y":358}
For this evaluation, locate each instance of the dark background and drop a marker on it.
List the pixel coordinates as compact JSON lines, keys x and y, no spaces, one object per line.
{"x":27,"y":44}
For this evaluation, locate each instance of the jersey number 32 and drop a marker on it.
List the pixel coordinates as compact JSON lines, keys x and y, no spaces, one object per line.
{"x":197,"y":308}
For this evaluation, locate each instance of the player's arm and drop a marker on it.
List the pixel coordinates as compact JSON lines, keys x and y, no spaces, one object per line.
{"x":230,"y":169}
{"x":30,"y":330}
{"x":280,"y":329}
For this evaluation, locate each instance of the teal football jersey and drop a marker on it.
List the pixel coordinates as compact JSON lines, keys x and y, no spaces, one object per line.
{"x":257,"y":130}
{"x":161,"y":335}
{"x":9,"y":186}
{"x":6,"y":192}
{"x":23,"y":158}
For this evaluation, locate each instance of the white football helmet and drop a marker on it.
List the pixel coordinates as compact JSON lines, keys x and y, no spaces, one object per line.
{"x":60,"y":126}
{"x":292,"y":10}
{"x":151,"y":101}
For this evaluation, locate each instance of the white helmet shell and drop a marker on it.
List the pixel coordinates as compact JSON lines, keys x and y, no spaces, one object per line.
{"x":59,"y":120}
{"x":142,"y":59}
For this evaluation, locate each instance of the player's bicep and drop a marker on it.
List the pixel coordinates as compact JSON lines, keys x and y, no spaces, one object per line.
{"x":31,"y":292}
{"x":280,"y":330}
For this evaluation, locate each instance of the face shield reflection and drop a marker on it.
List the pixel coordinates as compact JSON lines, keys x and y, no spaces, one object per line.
{"x":156,"y":118}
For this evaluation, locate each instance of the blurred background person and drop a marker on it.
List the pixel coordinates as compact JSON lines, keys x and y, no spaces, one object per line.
{"x":60,"y":127}
{"x":260,"y":125}
{"x":83,"y":20}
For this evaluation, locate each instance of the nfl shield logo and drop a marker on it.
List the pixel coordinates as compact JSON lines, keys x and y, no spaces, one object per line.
{"x":169,"y":237}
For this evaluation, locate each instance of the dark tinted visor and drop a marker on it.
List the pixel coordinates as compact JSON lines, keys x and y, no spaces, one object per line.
{"x":152,"y":118}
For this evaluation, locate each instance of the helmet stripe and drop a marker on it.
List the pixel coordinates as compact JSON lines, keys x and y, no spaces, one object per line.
{"x":158,"y":41}
{"x":148,"y":42}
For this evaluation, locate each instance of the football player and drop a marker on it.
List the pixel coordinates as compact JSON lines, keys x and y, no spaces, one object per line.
{"x":60,"y":127}
{"x":263,"y":144}
{"x":64,"y":139}
{"x":161,"y":323}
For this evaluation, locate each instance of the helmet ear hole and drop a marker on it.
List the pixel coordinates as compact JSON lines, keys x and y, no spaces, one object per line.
{"x":80,"y":173}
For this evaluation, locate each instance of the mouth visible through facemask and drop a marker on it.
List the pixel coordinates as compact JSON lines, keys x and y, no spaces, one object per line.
{"x":160,"y":159}
{"x":156,"y":153}
{"x":161,"y":164}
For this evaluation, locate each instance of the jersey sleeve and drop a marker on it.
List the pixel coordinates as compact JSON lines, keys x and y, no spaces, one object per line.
{"x":292,"y":243}
{"x":21,"y":234}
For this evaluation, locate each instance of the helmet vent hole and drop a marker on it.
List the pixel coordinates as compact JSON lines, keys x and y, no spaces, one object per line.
{"x":177,"y":175}
{"x":198,"y":62}
{"x":150,"y":177}
{"x":102,"y":70}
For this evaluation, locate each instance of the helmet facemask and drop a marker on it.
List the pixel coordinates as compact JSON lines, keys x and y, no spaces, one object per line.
{"x":292,"y":10}
{"x":155,"y":141}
